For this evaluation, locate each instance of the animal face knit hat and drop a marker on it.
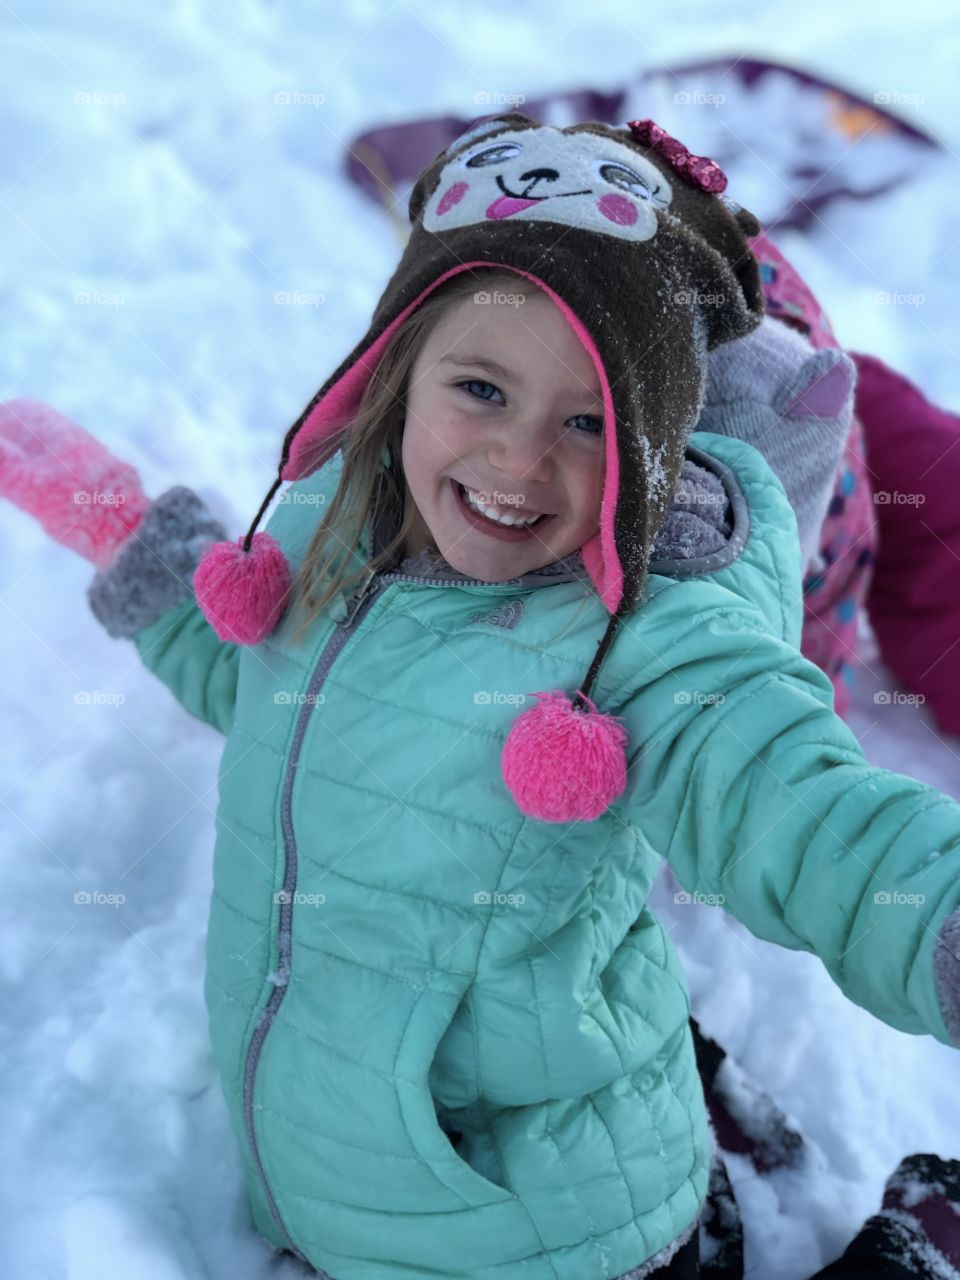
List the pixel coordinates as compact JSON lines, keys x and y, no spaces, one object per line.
{"x":628,"y":234}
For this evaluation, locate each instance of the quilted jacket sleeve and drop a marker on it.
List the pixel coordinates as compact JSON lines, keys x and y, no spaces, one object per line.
{"x":146,"y":594}
{"x":759,"y":795}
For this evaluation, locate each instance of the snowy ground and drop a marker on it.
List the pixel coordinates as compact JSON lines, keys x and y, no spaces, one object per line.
{"x":147,"y":166}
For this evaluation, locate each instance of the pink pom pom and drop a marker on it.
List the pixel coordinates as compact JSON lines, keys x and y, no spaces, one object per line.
{"x":243,"y":593}
{"x":565,"y":765}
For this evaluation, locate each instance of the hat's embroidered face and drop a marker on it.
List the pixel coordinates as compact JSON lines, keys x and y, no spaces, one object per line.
{"x":522,"y":443}
{"x":581,"y":179}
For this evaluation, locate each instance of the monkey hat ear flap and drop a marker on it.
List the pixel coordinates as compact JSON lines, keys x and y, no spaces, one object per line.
{"x":725,"y":285}
{"x":728,"y":319}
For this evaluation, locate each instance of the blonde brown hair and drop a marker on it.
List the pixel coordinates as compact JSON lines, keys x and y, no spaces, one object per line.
{"x":365,"y":482}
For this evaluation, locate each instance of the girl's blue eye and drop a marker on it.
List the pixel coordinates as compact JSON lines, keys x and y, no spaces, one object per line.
{"x":586,"y":417}
{"x":596,"y":424}
{"x":476,"y":382}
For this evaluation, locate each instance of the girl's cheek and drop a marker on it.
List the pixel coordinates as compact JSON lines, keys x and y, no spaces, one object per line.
{"x":463,"y":422}
{"x":457,"y":433}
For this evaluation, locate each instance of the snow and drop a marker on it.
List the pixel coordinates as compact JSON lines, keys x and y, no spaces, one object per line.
{"x":160,"y":199}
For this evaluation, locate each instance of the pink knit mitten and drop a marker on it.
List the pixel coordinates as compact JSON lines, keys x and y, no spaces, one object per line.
{"x":83,"y":496}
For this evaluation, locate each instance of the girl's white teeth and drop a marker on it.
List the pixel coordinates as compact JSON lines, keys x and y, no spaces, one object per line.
{"x":491,"y":512}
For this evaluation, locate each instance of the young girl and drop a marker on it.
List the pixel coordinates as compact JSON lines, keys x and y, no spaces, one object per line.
{"x":453,"y":1038}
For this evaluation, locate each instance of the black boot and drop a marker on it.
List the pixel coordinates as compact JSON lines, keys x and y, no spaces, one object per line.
{"x":916,"y":1234}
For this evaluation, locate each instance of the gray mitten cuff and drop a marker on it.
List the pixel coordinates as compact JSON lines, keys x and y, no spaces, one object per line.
{"x":153,"y":569}
{"x":794,"y":404}
{"x":946,"y":965}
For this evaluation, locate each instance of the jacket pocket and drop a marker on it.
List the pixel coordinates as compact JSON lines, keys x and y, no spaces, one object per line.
{"x":431,"y":1016}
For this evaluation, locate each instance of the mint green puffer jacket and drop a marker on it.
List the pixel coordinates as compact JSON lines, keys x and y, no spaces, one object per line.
{"x":396,"y":953}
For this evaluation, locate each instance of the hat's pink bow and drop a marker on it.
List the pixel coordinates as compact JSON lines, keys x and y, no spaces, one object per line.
{"x":700,"y":170}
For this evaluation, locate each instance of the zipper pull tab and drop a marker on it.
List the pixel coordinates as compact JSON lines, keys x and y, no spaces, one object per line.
{"x":358,"y":597}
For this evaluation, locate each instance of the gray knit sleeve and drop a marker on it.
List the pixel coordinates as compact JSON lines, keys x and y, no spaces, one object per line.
{"x":153,"y":570}
{"x":794,"y":404}
{"x":699,"y":520}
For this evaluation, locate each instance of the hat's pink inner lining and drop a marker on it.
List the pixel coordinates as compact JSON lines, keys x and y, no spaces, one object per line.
{"x":341,"y":402}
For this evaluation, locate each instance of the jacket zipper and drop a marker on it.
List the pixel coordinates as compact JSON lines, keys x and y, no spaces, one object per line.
{"x":358,"y":605}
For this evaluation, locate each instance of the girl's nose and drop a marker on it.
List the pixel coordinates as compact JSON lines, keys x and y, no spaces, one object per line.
{"x":522,"y":456}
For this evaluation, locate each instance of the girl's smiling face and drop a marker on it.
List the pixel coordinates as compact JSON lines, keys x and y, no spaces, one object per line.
{"x":504,"y":399}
